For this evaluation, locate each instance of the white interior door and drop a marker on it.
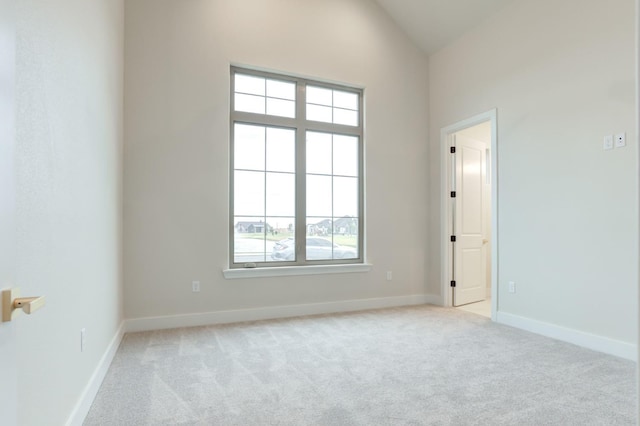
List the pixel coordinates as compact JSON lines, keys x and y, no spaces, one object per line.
{"x":470,"y":256}
{"x":8,"y":363}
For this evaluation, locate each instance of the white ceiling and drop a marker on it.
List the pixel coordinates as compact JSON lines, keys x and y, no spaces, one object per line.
{"x":432,"y":24}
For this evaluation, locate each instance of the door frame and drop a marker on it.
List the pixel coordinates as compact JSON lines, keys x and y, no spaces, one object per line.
{"x":445,"y":217}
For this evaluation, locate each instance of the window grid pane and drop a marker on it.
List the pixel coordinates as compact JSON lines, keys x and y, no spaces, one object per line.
{"x":264,"y":96}
{"x":319,"y":96}
{"x":249,"y":84}
{"x":282,"y":239}
{"x":332,"y":106}
{"x":250,"y":103}
{"x":281,"y":151}
{"x":281,"y":108}
{"x":319,"y":113}
{"x":345,"y":116}
{"x":319,"y":153}
{"x":281,"y":90}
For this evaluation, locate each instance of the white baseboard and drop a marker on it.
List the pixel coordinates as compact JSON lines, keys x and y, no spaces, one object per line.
{"x":432,"y":299}
{"x":80,"y":411}
{"x":240,"y":315}
{"x":586,"y":340}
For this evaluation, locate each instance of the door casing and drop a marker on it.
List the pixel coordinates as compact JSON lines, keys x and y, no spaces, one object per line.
{"x":445,"y":136}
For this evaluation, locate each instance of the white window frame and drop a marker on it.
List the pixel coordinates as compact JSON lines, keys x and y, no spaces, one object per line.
{"x":301,"y":125}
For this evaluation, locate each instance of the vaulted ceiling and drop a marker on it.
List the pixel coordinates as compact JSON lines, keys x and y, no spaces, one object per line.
{"x":432,"y":24}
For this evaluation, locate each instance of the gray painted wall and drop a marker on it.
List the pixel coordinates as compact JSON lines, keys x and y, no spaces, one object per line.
{"x":561,"y":75}
{"x":68,"y":193}
{"x":177,"y":63}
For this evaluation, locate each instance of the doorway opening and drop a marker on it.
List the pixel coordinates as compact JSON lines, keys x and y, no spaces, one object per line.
{"x":469,"y":214}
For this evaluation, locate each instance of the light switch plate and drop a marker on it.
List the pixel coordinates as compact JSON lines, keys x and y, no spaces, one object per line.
{"x":608,"y":142}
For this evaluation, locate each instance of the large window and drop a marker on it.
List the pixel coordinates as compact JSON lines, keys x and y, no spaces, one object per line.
{"x":296,"y":181}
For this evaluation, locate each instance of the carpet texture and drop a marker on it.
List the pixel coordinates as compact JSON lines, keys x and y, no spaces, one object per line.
{"x":420,"y":365}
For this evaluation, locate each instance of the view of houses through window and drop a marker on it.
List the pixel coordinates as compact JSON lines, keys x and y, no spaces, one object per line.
{"x":297,"y":180}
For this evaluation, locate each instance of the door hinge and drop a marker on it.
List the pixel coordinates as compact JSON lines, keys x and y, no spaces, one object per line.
{"x":453,"y":283}
{"x":452,"y":150}
{"x":453,"y":238}
{"x":453,"y":194}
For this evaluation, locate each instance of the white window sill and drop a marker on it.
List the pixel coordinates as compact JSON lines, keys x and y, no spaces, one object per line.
{"x":284,"y":271}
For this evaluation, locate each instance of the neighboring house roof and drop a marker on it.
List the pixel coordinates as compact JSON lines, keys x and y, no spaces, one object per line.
{"x":343,"y":221}
{"x":251,"y":223}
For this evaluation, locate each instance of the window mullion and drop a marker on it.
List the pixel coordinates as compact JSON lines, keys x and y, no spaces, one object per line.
{"x":267,"y":120}
{"x":333,"y":214}
{"x":333,"y":128}
{"x":266,"y":193}
{"x":301,"y":175}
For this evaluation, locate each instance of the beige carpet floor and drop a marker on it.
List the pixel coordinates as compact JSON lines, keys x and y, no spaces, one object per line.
{"x":419,"y":365}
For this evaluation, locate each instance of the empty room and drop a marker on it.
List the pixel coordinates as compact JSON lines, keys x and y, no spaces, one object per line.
{"x":318,"y":212}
